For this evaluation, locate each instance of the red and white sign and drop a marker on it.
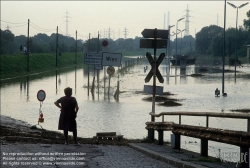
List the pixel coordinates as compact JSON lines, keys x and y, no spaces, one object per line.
{"x":105,"y":43}
{"x":110,"y":70}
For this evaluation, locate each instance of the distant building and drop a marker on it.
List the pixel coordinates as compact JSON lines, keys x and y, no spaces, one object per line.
{"x":248,"y":51}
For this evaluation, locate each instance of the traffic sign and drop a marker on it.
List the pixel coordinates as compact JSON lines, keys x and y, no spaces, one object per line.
{"x":93,"y":58}
{"x":41,"y":95}
{"x":149,"y":76}
{"x":105,"y":43}
{"x":159,"y":76}
{"x":110,"y":70}
{"x":151,"y":72}
{"x":150,"y":33}
{"x":93,"y":55}
{"x":160,"y":59}
{"x":111,"y":59}
{"x":149,"y":89}
{"x":150,"y":43}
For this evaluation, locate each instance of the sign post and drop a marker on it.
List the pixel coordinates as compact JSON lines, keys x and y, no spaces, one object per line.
{"x":110,"y":72}
{"x":41,"y":95}
{"x":104,"y":49}
{"x":158,"y":40}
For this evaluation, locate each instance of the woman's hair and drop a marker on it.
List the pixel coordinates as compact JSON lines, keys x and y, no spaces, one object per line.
{"x":68,"y":91}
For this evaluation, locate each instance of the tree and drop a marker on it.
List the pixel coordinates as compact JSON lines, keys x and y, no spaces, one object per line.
{"x":20,"y":40}
{"x":7,"y":42}
{"x":217,"y":45}
{"x":246,"y":22}
{"x":204,"y":38}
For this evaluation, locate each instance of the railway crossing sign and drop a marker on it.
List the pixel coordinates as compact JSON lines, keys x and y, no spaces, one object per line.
{"x":151,"y":72}
{"x":156,"y":39}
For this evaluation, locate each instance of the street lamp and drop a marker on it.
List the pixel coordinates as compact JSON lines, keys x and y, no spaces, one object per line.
{"x":176,"y":43}
{"x":181,"y":38}
{"x":169,"y":27}
{"x":237,"y":7}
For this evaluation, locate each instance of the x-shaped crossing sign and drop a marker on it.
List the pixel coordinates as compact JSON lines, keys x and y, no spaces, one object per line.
{"x":151,"y":72}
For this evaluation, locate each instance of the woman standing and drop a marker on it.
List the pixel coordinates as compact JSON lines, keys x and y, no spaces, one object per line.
{"x":69,"y":109}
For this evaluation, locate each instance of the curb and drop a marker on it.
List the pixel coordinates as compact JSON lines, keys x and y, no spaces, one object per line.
{"x":168,"y":159}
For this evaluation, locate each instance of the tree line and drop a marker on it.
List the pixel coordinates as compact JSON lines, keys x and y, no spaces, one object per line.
{"x":42,"y":43}
{"x":208,"y":41}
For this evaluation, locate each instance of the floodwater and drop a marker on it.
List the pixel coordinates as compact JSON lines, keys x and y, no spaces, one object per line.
{"x":128,"y":115}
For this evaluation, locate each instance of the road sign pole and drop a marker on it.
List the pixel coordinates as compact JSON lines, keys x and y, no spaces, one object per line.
{"x":151,"y":133}
{"x":98,"y":69}
{"x":88,"y":65}
{"x":109,"y":86}
{"x":154,"y":76}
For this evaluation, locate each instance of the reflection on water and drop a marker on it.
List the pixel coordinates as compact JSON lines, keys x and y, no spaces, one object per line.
{"x":128,"y":115}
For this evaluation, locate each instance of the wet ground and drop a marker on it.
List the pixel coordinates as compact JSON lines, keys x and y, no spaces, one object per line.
{"x":22,"y":146}
{"x":16,"y":131}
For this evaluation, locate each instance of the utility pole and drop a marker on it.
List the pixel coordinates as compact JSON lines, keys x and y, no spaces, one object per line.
{"x":76,"y":49}
{"x":187,"y":22}
{"x":56,"y":45}
{"x":88,"y":65}
{"x":67,"y":20}
{"x":28,"y":48}
{"x":98,"y":71}
{"x":125,"y":33}
{"x":109,"y":32}
{"x":8,"y":28}
{"x":113,"y":34}
{"x":217,"y":18}
{"x":224,"y":46}
{"x":164,"y":21}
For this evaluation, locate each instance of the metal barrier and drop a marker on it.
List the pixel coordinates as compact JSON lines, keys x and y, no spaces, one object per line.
{"x":239,"y":138}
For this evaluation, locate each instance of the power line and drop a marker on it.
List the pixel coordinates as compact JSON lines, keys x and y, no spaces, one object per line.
{"x":61,"y":31}
{"x":31,"y":23}
{"x":18,"y":26}
{"x":40,"y":29}
{"x":12,"y":22}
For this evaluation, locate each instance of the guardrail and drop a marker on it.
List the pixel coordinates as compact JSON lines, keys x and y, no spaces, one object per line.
{"x":239,"y":138}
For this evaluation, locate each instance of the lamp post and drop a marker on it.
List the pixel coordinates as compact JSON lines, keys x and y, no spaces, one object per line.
{"x":224,"y":46}
{"x":176,"y":43}
{"x":237,"y":7}
{"x":169,"y":27}
{"x":181,"y":38}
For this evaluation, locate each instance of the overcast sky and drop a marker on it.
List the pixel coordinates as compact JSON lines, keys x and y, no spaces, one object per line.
{"x":92,"y":16}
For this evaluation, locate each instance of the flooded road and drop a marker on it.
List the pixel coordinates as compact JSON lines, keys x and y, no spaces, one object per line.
{"x":128,"y":116}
